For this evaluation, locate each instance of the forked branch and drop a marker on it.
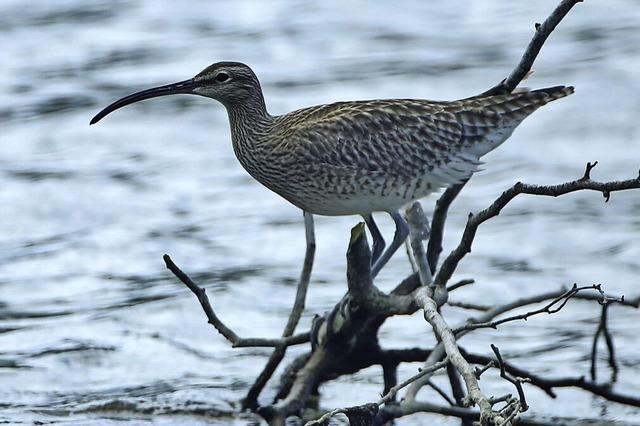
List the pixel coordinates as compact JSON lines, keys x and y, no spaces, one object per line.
{"x":451,"y":262}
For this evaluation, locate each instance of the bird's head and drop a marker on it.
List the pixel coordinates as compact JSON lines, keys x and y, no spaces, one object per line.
{"x":231,"y":83}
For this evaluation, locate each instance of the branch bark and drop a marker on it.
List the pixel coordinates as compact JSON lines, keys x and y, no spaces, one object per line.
{"x":550,"y":308}
{"x":542,"y":32}
{"x":548,"y":384}
{"x":448,"y":340}
{"x":451,"y":262}
{"x":235,"y":340}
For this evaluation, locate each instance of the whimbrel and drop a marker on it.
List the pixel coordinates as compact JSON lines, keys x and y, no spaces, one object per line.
{"x":359,"y":157}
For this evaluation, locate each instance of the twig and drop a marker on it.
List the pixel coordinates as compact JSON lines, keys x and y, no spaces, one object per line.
{"x":451,"y":262}
{"x":410,"y":407}
{"x":603,"y":329}
{"x":609,"y":340}
{"x":459,"y":284}
{"x":423,"y":372}
{"x":470,"y":306}
{"x":251,"y":399}
{"x":235,"y":340}
{"x":549,"y":384}
{"x":441,"y":392}
{"x":412,"y":262}
{"x":514,"y":408}
{"x":474,"y":394}
{"x":533,"y":49}
{"x":418,"y":232}
{"x":488,"y":313}
{"x":622,"y":301}
{"x":389,"y":396}
{"x":498,"y":399}
{"x":438,"y":352}
{"x":479,"y":371}
{"x":587,"y":170}
{"x":434,"y":248}
{"x":516,"y":382}
{"x":306,"y":377}
{"x":550,"y":308}
{"x":387,"y":414}
{"x":456,"y":385}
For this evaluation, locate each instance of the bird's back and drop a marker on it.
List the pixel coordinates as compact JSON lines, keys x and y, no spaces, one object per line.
{"x":354,"y":157}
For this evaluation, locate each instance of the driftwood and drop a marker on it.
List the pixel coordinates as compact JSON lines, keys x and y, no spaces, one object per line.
{"x":345,"y":340}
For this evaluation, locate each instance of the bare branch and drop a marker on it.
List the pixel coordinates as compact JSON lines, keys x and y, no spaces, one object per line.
{"x":451,"y":262}
{"x":622,"y":301}
{"x":359,"y":278}
{"x":412,"y":262}
{"x":389,"y":396}
{"x":423,"y":372}
{"x":459,"y":284}
{"x":480,"y":371}
{"x":550,"y":308}
{"x":587,"y":170}
{"x":389,"y":413}
{"x":456,"y":385}
{"x":301,"y":388}
{"x":470,"y":306}
{"x":448,"y":340}
{"x":542,"y":31}
{"x":549,"y":384}
{"x":513,"y":408}
{"x":235,"y":340}
{"x":434,"y":248}
{"x":490,"y":312}
{"x":516,"y":382}
{"x":603,"y":328}
{"x":418,"y":232}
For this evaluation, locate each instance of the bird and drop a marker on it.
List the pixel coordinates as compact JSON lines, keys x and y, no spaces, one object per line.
{"x":357,"y":157}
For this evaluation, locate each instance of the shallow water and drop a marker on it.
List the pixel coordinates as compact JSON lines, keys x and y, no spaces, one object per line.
{"x":94,"y":330}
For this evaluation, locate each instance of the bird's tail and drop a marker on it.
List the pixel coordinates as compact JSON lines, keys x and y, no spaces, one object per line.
{"x":555,"y":92}
{"x":505,"y":113}
{"x":516,"y":106}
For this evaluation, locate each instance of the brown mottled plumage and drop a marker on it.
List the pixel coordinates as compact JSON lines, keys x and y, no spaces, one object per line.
{"x":357,"y":157}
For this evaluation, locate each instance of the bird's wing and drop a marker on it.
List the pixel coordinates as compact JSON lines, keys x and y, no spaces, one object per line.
{"x":396,"y":137}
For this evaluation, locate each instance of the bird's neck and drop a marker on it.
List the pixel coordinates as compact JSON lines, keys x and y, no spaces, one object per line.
{"x":248,"y":119}
{"x":250,"y":128}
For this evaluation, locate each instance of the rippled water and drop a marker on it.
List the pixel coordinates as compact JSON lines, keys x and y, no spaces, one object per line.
{"x":93,"y":329}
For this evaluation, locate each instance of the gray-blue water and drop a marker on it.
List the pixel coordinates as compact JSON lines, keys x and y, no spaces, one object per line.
{"x":94,"y":330}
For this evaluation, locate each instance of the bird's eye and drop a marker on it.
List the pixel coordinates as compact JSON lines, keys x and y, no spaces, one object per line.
{"x":222,"y":76}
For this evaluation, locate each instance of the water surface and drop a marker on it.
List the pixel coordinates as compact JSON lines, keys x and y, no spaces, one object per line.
{"x":94,"y":330}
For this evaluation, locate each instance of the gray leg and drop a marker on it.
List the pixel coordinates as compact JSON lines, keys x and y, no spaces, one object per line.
{"x":402,"y":232}
{"x":378,"y":241}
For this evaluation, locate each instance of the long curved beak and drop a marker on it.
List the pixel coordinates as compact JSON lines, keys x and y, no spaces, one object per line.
{"x":185,"y":86}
